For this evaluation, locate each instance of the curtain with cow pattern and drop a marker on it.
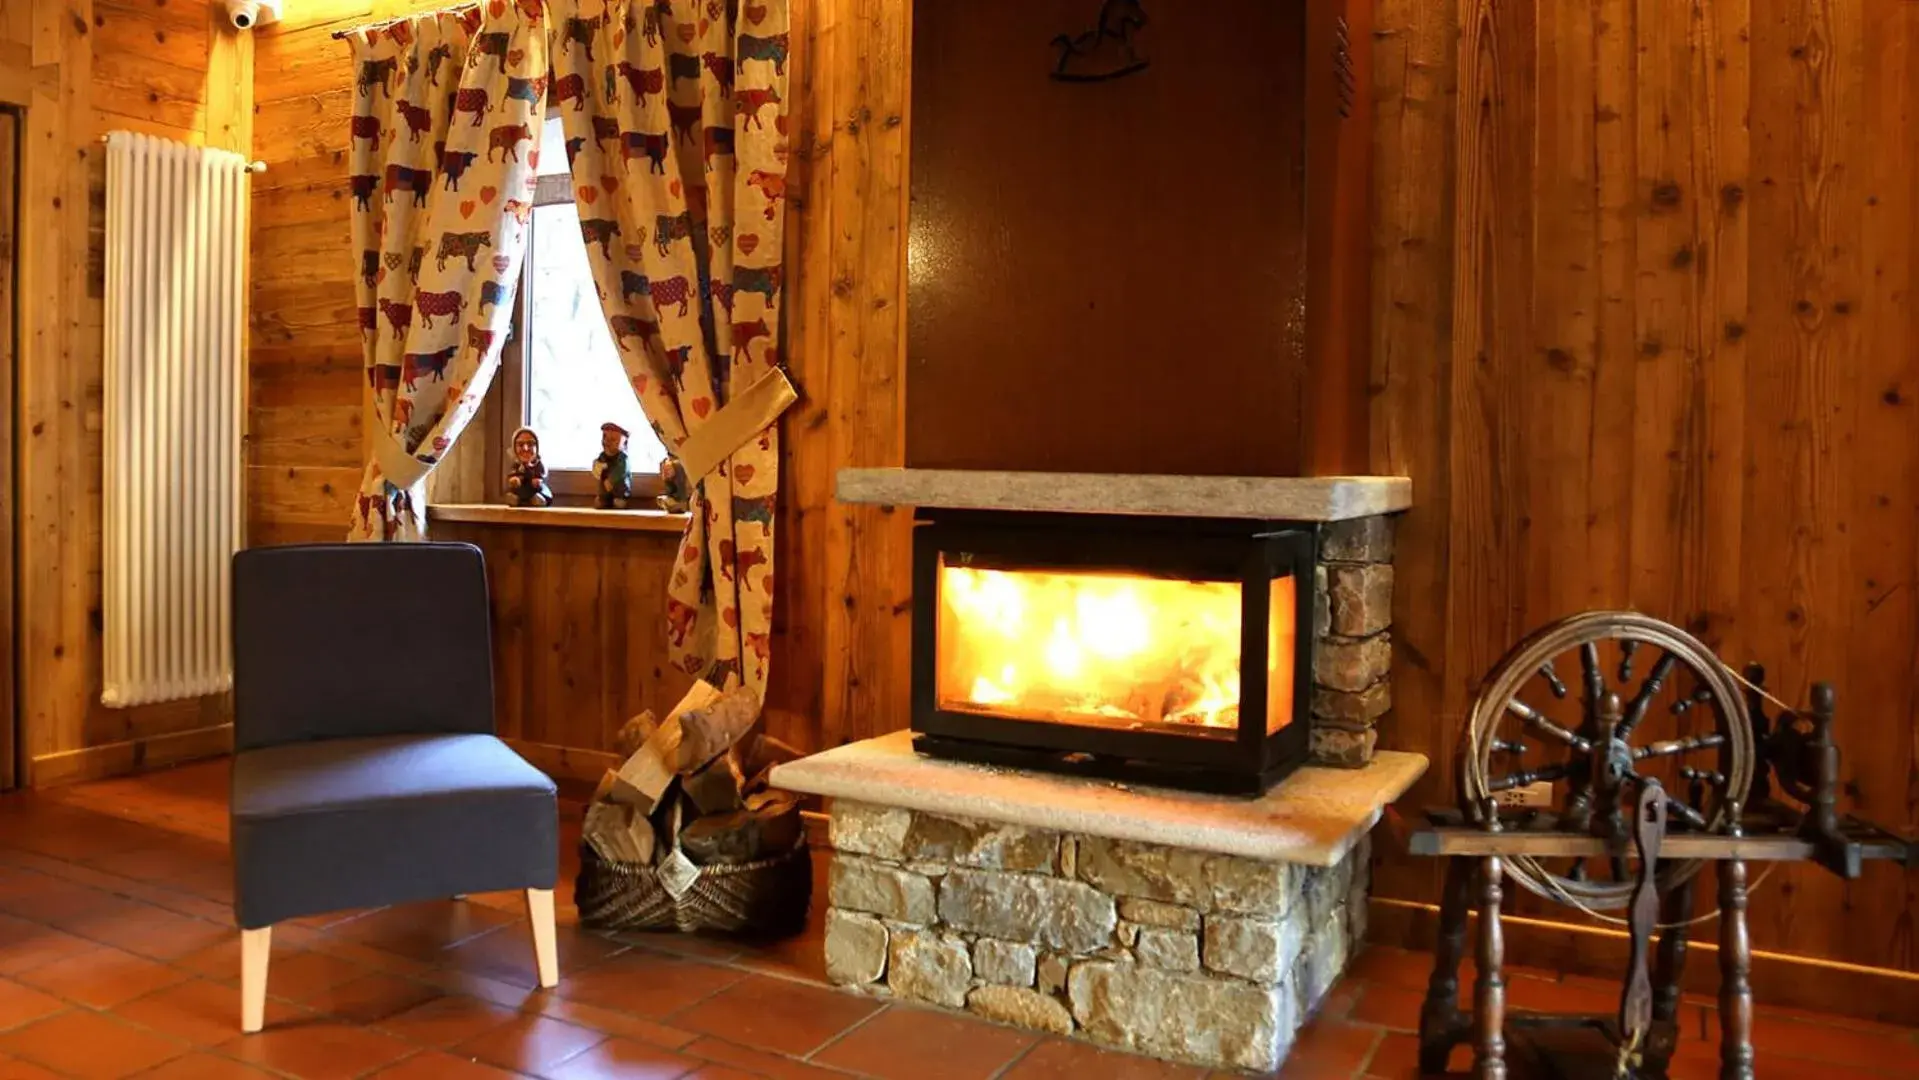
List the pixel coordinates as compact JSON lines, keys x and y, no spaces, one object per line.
{"x":447,"y":110}
{"x":676,"y":135}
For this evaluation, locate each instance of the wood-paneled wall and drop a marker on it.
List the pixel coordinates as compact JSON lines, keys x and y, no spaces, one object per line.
{"x":1642,"y":337}
{"x":81,"y":68}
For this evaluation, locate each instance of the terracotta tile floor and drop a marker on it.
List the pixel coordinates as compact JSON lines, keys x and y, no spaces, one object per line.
{"x":118,"y":958}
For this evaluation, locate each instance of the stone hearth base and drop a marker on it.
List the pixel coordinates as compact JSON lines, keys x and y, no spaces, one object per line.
{"x":1178,"y":953}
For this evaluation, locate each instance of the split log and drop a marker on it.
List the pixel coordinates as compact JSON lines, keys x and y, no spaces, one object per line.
{"x":643,"y":779}
{"x":708,"y":731}
{"x":610,"y":829}
{"x":716,"y":788}
{"x":605,"y":789}
{"x":701,"y":695}
{"x":634,"y":733}
{"x":762,"y":753}
{"x":744,"y":835}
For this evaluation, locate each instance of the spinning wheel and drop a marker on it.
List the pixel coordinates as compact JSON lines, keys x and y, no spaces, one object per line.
{"x":1650,"y":702}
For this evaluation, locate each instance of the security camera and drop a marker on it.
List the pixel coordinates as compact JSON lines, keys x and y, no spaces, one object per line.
{"x":247,"y":14}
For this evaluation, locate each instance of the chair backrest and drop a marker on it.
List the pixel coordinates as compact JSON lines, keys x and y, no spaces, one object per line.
{"x":338,"y":641}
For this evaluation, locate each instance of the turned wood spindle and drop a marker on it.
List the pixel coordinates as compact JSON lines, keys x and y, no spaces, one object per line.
{"x":1489,"y":992}
{"x":1735,"y":964}
{"x":1669,"y":966}
{"x":1441,"y":1024}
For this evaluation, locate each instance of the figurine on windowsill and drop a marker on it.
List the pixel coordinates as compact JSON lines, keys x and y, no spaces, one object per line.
{"x":526,"y":484}
{"x":676,"y":497}
{"x":611,"y":471}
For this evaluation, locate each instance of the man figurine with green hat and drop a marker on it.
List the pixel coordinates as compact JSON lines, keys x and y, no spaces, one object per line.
{"x":615,"y":476}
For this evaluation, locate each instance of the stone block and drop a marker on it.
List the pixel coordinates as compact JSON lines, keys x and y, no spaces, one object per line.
{"x":1367,"y":539}
{"x":1050,"y":973}
{"x":1068,"y":858}
{"x":1008,"y":962}
{"x":929,"y":967}
{"x":1022,"y":1008}
{"x":1064,"y":915}
{"x":1193,"y":1018}
{"x":1153,"y":913}
{"x":1322,"y":957}
{"x":865,"y":829}
{"x":855,"y":948}
{"x":864,"y":885}
{"x":1255,"y":949}
{"x":1352,"y":664}
{"x":1128,"y":933}
{"x":1342,"y":747}
{"x":1353,"y":709}
{"x":1175,"y":950}
{"x":1361,"y":598}
{"x":1322,"y":603}
{"x":1185,"y":878}
{"x":984,"y":844}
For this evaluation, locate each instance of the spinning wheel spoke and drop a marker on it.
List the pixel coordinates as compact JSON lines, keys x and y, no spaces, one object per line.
{"x":1685,"y":813}
{"x":1537,"y":719}
{"x":1626,"y":650}
{"x":1684,"y":705}
{"x":1553,"y":681}
{"x":1673,"y":747}
{"x":1515,"y":747}
{"x":1655,"y":682}
{"x":1525,"y":777}
{"x":1595,"y":680}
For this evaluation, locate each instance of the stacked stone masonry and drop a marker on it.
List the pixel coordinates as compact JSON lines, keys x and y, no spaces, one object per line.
{"x":1353,"y":652}
{"x":1184,"y":955}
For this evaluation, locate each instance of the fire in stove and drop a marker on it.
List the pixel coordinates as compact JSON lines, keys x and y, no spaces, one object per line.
{"x":1160,"y":649}
{"x":1089,"y":647}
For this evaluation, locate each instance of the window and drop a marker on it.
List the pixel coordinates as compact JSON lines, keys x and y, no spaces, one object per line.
{"x":560,"y":372}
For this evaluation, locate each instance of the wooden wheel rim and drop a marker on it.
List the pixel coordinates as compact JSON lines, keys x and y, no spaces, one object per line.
{"x":1522,"y":664}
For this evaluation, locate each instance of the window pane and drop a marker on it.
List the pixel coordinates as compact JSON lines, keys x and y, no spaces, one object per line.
{"x":553,"y":148}
{"x":574,"y":379}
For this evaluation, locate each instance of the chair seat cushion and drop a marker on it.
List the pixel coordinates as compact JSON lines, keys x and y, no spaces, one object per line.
{"x":348,"y":823}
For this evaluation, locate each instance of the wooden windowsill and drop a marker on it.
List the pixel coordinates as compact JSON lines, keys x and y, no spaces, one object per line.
{"x":559,"y":517}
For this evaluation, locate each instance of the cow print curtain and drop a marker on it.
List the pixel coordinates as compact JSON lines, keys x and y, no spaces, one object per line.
{"x":676,"y":135}
{"x":447,"y":110}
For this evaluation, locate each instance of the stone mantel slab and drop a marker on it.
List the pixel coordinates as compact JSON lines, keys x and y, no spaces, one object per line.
{"x":1313,"y":817}
{"x":1261,"y":498}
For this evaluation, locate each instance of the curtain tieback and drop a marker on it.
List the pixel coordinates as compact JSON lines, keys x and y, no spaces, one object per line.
{"x":738,"y":422}
{"x":400,"y":468}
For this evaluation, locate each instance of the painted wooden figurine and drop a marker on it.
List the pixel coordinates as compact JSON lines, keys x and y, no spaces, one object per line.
{"x":610,"y":469}
{"x":677,"y":496}
{"x":526,"y":483}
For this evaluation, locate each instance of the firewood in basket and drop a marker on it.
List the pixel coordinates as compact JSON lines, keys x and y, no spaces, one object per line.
{"x":605,"y":789}
{"x":640,"y":838}
{"x":762,"y":753}
{"x":708,"y":731}
{"x":716,"y":788}
{"x":634,"y":733}
{"x":607,"y":829}
{"x":701,"y":695}
{"x":645,"y":775}
{"x":743,"y":835}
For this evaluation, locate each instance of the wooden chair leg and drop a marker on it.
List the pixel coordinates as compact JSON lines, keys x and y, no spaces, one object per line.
{"x":539,"y":913}
{"x":255,"y":947}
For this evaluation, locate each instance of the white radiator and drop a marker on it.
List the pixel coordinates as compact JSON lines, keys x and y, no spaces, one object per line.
{"x":176,"y":244}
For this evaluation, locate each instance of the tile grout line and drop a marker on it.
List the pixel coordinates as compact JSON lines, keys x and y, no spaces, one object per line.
{"x":1019,"y":1057}
{"x":885,"y":1007}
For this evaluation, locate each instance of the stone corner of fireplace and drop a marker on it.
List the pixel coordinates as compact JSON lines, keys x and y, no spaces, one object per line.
{"x":1268,"y":498}
{"x":1080,"y":907}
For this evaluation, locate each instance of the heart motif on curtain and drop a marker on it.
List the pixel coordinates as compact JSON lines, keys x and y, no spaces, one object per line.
{"x":392,"y":260}
{"x":501,"y":263}
{"x":610,"y":183}
{"x":703,"y":25}
{"x":467,"y":206}
{"x":688,"y":33}
{"x":702,"y":406}
{"x":514,"y":56}
{"x":756,"y":13}
{"x":488,"y":194}
{"x":587,"y":194}
{"x":497,"y":8}
{"x":749,"y":242}
{"x":743,"y":473}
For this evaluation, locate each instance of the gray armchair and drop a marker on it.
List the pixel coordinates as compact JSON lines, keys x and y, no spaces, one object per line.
{"x":365,"y":769}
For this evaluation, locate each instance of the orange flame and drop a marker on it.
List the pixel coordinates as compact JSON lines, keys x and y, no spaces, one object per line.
{"x":1100,"y":647}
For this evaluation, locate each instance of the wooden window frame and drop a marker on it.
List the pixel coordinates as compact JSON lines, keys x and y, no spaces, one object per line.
{"x":572,"y":486}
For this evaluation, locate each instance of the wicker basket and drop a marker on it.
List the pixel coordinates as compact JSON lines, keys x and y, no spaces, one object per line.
{"x":767,"y":897}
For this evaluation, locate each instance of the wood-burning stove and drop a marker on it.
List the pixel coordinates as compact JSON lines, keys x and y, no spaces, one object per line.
{"x":1168,"y":650}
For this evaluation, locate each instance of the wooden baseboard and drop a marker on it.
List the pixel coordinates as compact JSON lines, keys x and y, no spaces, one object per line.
{"x":566,"y":762}
{"x":122,"y":758}
{"x":1799,"y":982}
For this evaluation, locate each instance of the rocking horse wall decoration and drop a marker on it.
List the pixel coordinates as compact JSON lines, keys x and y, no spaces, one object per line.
{"x":1105,"y":52}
